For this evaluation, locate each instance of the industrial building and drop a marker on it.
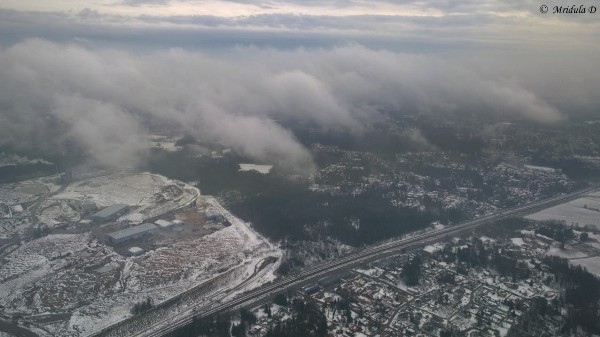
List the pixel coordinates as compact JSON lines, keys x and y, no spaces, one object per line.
{"x":130,"y":233}
{"x":110,"y":213}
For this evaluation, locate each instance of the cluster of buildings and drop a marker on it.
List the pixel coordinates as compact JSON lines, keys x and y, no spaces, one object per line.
{"x":475,"y":301}
{"x":426,"y":180}
{"x":140,"y":231}
{"x":131,"y":233}
{"x":110,"y":213}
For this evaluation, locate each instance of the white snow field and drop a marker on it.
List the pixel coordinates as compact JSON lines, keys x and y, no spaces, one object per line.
{"x":149,"y":194}
{"x":580,"y":212}
{"x":80,"y":285}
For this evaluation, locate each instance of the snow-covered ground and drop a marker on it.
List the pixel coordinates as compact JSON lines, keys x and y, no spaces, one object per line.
{"x":434,"y":247}
{"x":592,"y":264}
{"x":28,"y":190}
{"x":247,"y":250}
{"x":586,"y":255}
{"x":167,"y":272}
{"x":580,"y":212}
{"x":263,"y":169}
{"x":148,"y":195}
{"x":567,"y":253}
{"x":37,"y":253}
{"x":92,"y":287}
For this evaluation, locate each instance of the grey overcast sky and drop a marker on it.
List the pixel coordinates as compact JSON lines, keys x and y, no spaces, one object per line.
{"x":230,"y":71}
{"x":404,"y":25}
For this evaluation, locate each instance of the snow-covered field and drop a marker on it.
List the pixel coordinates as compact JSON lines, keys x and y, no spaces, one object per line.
{"x":17,"y":193}
{"x":586,"y":255}
{"x":86,"y":286}
{"x":568,"y":252}
{"x":39,"y":252}
{"x":263,"y":169}
{"x":579,"y":212}
{"x":148,"y":195}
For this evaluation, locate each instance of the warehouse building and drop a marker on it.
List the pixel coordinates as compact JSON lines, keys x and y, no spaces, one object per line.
{"x":110,"y":213}
{"x":130,"y":233}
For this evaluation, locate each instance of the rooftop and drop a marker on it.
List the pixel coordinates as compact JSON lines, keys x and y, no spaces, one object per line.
{"x":110,"y":210}
{"x":212,"y":213}
{"x":145,"y":227}
{"x":135,"y":250}
{"x":163,"y":223}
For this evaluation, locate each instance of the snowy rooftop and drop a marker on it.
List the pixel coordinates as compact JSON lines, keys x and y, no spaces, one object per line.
{"x":135,"y":250}
{"x":109,"y":211}
{"x":145,"y":227}
{"x":433,"y":248}
{"x":163,"y":223}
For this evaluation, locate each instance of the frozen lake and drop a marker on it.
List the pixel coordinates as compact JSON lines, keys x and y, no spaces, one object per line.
{"x":264,"y":169}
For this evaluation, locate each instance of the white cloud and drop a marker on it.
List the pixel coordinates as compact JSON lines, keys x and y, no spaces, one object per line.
{"x":54,"y":95}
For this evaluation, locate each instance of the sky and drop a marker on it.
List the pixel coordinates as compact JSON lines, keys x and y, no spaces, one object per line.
{"x":237,"y":72}
{"x":413,"y":25}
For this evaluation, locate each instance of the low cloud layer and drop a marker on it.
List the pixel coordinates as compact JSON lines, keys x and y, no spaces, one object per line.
{"x":53,"y":95}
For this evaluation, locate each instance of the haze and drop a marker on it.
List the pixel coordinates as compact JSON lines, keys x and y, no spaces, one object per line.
{"x":239,"y":73}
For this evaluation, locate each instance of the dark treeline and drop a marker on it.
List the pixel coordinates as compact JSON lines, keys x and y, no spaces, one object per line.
{"x":281,"y":208}
{"x":385,"y":139}
{"x":140,"y":307}
{"x":13,"y":173}
{"x":454,"y":139}
{"x":217,"y":326}
{"x":477,"y":255}
{"x":574,"y":168}
{"x":214,"y":175}
{"x":307,"y":320}
{"x":532,"y":322}
{"x":353,"y":220}
{"x":411,"y":273}
{"x":556,"y":231}
{"x":582,"y":295}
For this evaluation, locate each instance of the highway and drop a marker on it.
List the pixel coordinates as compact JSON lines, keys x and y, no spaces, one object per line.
{"x":357,"y":257}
